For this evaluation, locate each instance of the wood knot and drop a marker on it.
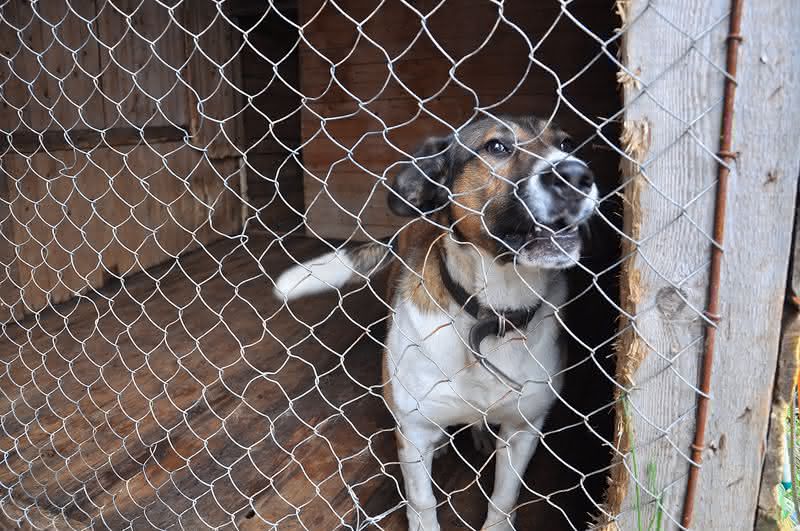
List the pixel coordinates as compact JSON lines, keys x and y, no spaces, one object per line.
{"x":670,"y":300}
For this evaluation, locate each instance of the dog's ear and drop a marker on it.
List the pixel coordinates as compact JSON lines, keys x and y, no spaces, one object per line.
{"x":422,"y":184}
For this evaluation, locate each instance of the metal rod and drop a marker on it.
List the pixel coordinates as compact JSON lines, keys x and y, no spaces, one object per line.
{"x":712,"y":310}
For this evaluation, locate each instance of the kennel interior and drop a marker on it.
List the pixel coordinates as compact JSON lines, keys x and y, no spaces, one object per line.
{"x":164,"y":161}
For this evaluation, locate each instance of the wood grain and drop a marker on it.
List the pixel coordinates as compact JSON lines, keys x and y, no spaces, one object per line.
{"x":142,"y":54}
{"x":187,"y":395}
{"x":49,"y":77}
{"x":758,"y":242}
{"x":81,"y":220}
{"x":9,"y":291}
{"x":213,"y":71}
{"x":87,"y":139}
{"x":670,"y":266}
{"x":95,"y":108}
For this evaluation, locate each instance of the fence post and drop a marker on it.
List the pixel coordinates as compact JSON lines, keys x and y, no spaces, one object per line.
{"x":676,"y":50}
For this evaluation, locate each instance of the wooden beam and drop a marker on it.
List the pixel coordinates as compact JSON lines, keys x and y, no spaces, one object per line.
{"x":678,"y":97}
{"x":84,"y":139}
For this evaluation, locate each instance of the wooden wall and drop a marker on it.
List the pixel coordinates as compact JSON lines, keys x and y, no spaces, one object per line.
{"x":118,"y":141}
{"x":667,"y":276}
{"x":272,"y":116}
{"x":371,"y":96}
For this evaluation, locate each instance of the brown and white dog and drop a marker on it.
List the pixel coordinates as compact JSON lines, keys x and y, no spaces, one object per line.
{"x":476,"y":285}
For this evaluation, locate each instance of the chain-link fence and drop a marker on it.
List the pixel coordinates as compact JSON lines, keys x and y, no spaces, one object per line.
{"x":263,"y":261}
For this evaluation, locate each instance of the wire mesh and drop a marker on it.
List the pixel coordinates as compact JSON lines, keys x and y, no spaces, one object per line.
{"x":165,"y":162}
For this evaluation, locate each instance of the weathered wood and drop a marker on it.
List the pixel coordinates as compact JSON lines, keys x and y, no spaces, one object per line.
{"x":667,"y":277}
{"x":9,"y":292}
{"x":80,"y":220}
{"x":213,"y":72}
{"x":87,"y":139}
{"x":343,"y":72}
{"x":759,"y":232}
{"x":50,"y":76}
{"x":142,"y":53}
{"x":769,"y":509}
{"x":130,"y":418}
{"x":794,"y":274}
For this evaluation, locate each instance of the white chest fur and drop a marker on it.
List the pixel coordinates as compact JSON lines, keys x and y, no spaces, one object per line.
{"x":435,"y":374}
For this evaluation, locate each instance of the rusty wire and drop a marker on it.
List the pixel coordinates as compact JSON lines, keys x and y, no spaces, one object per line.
{"x":712,"y":310}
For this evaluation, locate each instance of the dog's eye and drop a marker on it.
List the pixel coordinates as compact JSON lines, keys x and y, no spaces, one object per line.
{"x":567,"y":145}
{"x":495,"y":147}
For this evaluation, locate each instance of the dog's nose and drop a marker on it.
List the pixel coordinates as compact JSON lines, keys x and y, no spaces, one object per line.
{"x":570,"y":176}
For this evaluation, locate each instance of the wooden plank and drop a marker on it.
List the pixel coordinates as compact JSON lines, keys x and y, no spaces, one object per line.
{"x":10,"y":306}
{"x":123,"y":415}
{"x":214,"y":74}
{"x":663,"y":289}
{"x":400,"y":127}
{"x":142,"y":55}
{"x":132,"y":460}
{"x":667,"y":290}
{"x":83,"y":219}
{"x":758,"y":242}
{"x":334,"y":34}
{"x":52,"y":79}
{"x":87,"y":139}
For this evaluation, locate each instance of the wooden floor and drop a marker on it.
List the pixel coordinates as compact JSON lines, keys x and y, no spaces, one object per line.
{"x":188,"y":398}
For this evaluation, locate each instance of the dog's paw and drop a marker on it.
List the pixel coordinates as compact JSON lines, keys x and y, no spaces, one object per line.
{"x":422,"y":521}
{"x":483,"y":440}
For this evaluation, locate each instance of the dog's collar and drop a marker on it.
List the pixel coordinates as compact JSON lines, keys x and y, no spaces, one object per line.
{"x":489,"y":321}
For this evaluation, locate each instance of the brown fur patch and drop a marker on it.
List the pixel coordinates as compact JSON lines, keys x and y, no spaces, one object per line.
{"x":418,"y":279}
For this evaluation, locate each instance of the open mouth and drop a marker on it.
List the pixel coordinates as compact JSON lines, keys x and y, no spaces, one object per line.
{"x":539,"y":244}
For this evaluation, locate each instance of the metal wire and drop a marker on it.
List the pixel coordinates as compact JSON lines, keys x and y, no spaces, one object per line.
{"x":124,"y":153}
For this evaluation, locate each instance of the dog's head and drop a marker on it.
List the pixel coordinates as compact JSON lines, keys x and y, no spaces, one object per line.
{"x":511,"y":186}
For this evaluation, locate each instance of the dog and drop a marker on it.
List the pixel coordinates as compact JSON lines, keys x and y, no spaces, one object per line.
{"x":476,"y":285}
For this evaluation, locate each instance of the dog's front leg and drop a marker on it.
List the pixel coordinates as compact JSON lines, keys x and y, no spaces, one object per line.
{"x":515,"y":447}
{"x":415,"y":446}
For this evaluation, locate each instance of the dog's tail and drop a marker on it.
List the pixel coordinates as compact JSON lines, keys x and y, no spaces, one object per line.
{"x":333,"y":270}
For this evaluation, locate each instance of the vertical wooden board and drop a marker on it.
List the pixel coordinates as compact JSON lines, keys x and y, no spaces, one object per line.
{"x":668,"y":275}
{"x":214,"y":75}
{"x":82,"y":219}
{"x":54,"y":58}
{"x":142,"y":53}
{"x":668,"y":271}
{"x":9,"y":290}
{"x":167,"y":200}
{"x":757,"y":245}
{"x":39,"y":208}
{"x":16,"y":65}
